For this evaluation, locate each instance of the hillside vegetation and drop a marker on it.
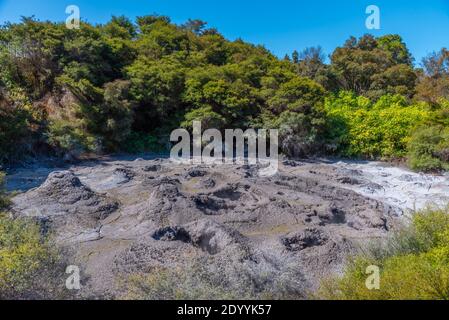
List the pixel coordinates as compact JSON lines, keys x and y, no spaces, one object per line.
{"x":124,"y":85}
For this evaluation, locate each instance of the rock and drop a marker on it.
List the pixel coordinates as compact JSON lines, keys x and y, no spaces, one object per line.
{"x":406,"y":178}
{"x":333,"y":215}
{"x":307,"y":238}
{"x":195,"y":172}
{"x":349,"y":180}
{"x":212,"y":237}
{"x":228,"y":192}
{"x":292,"y":163}
{"x":63,"y":193}
{"x":152,"y":168}
{"x":208,"y":183}
{"x":172,"y":234}
{"x":123,"y":175}
{"x":373,"y":187}
{"x":209,"y":204}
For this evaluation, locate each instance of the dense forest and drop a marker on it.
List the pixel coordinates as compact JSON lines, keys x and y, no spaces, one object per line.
{"x":123,"y":86}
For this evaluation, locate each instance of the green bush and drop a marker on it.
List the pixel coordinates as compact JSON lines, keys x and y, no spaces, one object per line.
{"x":113,"y":119}
{"x":296,"y":109}
{"x":359,"y":128}
{"x":209,"y":119}
{"x":30,"y":267}
{"x":99,"y":120}
{"x":13,"y":131}
{"x":414,"y":264}
{"x":429,"y":149}
{"x":166,"y":284}
{"x":299,"y":133}
{"x":70,"y":136}
{"x":4,"y":201}
{"x":143,"y":142}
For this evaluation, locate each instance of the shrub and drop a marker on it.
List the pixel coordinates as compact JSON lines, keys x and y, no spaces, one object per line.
{"x":13,"y":130}
{"x":429,"y":145}
{"x":299,"y":134}
{"x":4,"y":201}
{"x":167,"y":284}
{"x":69,"y":136}
{"x":202,"y":280}
{"x":114,"y":120}
{"x":209,"y":119}
{"x":30,"y":267}
{"x":427,"y":149}
{"x":143,"y":142}
{"x":296,"y":109}
{"x":414,"y":264}
{"x":359,"y":128}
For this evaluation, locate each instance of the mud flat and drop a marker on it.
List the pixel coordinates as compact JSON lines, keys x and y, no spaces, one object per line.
{"x":282,"y":233}
{"x":404,"y":190}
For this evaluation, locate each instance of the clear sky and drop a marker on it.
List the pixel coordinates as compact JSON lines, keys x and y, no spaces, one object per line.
{"x":279,"y":25}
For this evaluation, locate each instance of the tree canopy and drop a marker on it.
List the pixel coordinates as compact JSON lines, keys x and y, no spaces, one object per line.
{"x":107,"y":87}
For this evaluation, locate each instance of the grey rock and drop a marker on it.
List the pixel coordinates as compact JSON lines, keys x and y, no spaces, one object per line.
{"x":307,"y":238}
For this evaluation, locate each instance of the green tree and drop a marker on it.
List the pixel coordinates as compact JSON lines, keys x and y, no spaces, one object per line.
{"x":116,"y":114}
{"x":312,"y":65}
{"x":208,"y":118}
{"x":156,"y":89}
{"x":295,"y":57}
{"x":395,"y":46}
{"x":434,"y":81}
{"x":374,"y":67}
{"x":226,"y":91}
{"x":14,"y":129}
{"x":429,"y":149}
{"x":196,"y":26}
{"x":120,"y":27}
{"x":296,"y":108}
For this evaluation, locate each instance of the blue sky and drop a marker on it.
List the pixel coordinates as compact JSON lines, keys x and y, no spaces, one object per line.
{"x":281,"y":26}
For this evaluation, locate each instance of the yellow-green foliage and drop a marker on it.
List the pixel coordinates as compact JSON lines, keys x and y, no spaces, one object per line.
{"x":363,"y":129}
{"x":428,"y":149}
{"x":4,"y":201}
{"x":70,"y":135}
{"x":29,"y":267}
{"x":414,"y":264}
{"x":21,"y":253}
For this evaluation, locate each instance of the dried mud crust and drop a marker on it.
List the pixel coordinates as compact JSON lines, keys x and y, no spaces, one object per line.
{"x":127,"y":217}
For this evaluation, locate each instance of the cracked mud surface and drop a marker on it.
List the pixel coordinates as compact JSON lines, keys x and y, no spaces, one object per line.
{"x":121,"y":216}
